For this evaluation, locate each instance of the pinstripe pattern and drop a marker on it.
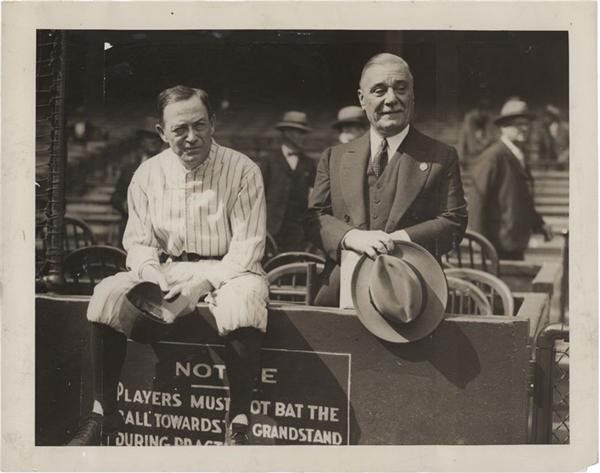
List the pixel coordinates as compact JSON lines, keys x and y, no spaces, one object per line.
{"x":217,"y":209}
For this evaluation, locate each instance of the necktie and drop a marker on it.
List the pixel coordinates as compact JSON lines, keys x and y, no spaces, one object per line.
{"x":381,"y":158}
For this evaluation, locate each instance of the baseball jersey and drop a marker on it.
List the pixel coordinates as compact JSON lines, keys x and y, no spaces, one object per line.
{"x":215,"y":210}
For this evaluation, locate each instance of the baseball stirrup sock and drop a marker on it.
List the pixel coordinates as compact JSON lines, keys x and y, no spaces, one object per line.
{"x":108,"y":355}
{"x":242,"y":361}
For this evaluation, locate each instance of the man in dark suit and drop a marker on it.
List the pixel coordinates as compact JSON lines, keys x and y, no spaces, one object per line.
{"x":288,"y":175}
{"x":393,"y":183}
{"x":501,"y":204}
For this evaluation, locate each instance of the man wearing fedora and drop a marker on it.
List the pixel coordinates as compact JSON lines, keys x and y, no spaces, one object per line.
{"x":501,"y":204}
{"x":288,"y":175}
{"x":391,"y":184}
{"x":196,"y":230}
{"x":351,"y":123}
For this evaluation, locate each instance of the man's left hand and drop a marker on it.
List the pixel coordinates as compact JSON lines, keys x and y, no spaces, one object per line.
{"x":194,"y":290}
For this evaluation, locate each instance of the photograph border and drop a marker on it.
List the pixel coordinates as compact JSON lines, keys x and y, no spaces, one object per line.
{"x":19,"y":23}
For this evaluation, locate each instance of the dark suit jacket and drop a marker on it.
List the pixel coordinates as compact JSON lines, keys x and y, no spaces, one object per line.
{"x":428,"y":202}
{"x":501,"y":205}
{"x":277,"y":176}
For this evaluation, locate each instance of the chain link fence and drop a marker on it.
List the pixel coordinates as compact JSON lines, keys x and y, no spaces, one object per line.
{"x":551,"y":386}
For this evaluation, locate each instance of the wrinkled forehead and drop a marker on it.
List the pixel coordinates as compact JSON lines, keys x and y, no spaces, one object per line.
{"x":183,"y":111}
{"x":384,"y":72}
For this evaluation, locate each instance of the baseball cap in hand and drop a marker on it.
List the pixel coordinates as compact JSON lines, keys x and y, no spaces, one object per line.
{"x":149,"y":312}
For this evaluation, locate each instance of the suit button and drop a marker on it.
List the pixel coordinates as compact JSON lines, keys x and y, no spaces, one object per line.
{"x":378,"y":186}
{"x":346,"y":218}
{"x":374,"y":217}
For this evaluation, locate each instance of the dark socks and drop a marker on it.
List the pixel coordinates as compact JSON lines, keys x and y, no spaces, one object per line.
{"x":242,"y":361}
{"x":108,"y":349}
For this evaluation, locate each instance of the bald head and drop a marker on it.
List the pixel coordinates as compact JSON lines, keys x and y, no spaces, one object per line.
{"x":386,"y":93}
{"x":384,"y":59}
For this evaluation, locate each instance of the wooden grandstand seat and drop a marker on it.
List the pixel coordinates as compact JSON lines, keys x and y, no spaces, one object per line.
{"x":77,"y":234}
{"x":292,"y":257}
{"x":85,"y":267}
{"x":294,"y":283}
{"x":474,"y":251}
{"x":496,"y":291}
{"x":466,"y":298}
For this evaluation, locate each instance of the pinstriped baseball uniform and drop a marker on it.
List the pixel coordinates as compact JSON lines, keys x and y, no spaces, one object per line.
{"x":217,"y":209}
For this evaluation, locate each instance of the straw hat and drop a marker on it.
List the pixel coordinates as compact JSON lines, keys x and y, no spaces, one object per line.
{"x":350,"y":115}
{"x":293,"y":119}
{"x":513,"y":108}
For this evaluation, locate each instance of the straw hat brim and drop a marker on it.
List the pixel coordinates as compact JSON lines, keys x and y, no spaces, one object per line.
{"x":436,"y":296}
{"x":503,"y":119}
{"x":297,"y":126}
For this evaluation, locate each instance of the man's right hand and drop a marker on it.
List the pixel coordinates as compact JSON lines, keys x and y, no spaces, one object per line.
{"x":370,"y":242}
{"x":152,"y":273}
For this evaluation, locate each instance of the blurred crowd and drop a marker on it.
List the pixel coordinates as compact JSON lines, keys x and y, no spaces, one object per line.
{"x":289,"y":170}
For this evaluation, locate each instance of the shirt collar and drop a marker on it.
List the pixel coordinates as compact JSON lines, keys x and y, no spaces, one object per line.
{"x":202,"y":166}
{"x":394,"y":142}
{"x":289,"y":152}
{"x":514,"y":149}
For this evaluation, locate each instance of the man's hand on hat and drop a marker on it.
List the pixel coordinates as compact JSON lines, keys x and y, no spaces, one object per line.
{"x":370,"y":242}
{"x":193,"y":290}
{"x":152,"y":273}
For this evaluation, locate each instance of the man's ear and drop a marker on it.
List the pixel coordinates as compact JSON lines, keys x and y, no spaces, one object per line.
{"x":213,"y":122}
{"x":161,"y":132}
{"x":361,"y":97}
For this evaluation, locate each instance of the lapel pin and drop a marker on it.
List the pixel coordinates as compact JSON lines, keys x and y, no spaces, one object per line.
{"x":423,"y":166}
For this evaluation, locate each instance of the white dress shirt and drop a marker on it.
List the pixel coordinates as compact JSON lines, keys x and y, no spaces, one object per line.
{"x":290,"y":156}
{"x":394,"y":142}
{"x":514,"y":149}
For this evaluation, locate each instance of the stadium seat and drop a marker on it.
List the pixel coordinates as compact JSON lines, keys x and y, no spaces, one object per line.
{"x":292,"y":257}
{"x":85,"y":267}
{"x":475,"y":252}
{"x":496,"y":291}
{"x":294,"y":283}
{"x":466,"y":298}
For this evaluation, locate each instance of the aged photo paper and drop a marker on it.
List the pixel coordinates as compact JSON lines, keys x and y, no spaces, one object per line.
{"x":21,"y":20}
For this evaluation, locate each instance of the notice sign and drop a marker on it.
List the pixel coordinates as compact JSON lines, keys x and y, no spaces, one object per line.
{"x":178,"y":394}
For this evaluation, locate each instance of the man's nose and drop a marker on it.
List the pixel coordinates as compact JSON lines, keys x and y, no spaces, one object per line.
{"x":191,"y":135}
{"x":390,"y":96}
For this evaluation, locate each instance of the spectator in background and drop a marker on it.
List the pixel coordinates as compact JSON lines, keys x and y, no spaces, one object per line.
{"x":501,"y":204}
{"x":288,"y":176}
{"x":148,"y":143}
{"x":351,"y":123}
{"x":558,"y":130}
{"x":476,"y":133}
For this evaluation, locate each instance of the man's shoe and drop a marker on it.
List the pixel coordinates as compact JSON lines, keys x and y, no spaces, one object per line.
{"x":93,"y":427}
{"x":237,"y":434}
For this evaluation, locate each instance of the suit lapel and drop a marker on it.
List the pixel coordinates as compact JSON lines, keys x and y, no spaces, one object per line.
{"x":412,"y":175}
{"x":353,"y":177}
